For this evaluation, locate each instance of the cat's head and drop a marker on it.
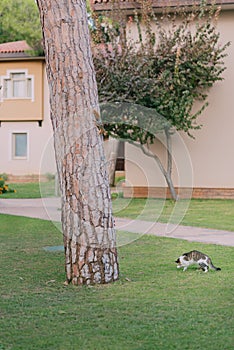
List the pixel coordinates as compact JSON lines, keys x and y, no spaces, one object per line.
{"x":178,"y":261}
{"x":183,"y":258}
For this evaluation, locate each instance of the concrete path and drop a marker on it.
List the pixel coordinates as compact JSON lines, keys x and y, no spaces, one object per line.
{"x":49,"y":209}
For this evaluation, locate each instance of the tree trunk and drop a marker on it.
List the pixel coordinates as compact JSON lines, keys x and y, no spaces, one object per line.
{"x":111,"y":152}
{"x":87,"y":221}
{"x":167,"y":173}
{"x":168,"y":176}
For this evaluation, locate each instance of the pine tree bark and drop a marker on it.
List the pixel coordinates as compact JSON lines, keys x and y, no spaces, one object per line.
{"x":87,"y":221}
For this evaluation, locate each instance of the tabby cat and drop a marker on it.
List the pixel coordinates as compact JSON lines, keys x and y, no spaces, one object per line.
{"x":197,"y":258}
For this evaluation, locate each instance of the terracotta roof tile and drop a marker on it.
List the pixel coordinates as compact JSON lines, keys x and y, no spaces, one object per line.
{"x":15,"y":47}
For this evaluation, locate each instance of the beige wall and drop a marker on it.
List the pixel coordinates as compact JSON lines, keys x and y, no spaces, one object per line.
{"x":23,"y":109}
{"x":40,"y":158}
{"x":212,"y":151}
{"x":206,"y":162}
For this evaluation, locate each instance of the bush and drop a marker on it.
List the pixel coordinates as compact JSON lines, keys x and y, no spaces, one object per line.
{"x":4,"y":176}
{"x":4,"y":188}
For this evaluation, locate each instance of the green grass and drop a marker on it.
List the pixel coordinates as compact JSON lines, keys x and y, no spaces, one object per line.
{"x":209,"y":213}
{"x":30,"y":190}
{"x":119,"y":180}
{"x":152,"y":306}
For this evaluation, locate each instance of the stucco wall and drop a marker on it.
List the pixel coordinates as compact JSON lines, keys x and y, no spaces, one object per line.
{"x":212,"y":151}
{"x":23,"y":109}
{"x":40,"y":157}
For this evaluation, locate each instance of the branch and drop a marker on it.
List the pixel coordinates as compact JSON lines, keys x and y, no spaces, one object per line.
{"x":169,"y":151}
{"x":166,"y":174}
{"x":150,"y":154}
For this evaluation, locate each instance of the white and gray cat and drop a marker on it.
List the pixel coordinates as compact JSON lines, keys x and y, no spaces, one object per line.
{"x":195,"y":258}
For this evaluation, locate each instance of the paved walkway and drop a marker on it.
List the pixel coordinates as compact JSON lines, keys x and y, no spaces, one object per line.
{"x":49,"y":209}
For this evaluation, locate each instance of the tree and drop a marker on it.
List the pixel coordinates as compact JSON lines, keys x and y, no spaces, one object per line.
{"x":19,"y":20}
{"x":87,"y":222}
{"x":171,"y":66}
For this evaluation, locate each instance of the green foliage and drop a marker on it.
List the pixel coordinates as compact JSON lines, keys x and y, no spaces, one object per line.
{"x":132,"y":121}
{"x":186,"y":64}
{"x":19,"y":20}
{"x":4,"y":176}
{"x":175,"y":64}
{"x":4,"y":188}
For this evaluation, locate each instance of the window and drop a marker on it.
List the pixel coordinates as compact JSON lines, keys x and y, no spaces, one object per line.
{"x":20,"y":145}
{"x":18,"y":84}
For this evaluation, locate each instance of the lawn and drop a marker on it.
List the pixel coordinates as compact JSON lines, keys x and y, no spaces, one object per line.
{"x":209,"y":213}
{"x":152,"y":306}
{"x":30,"y":190}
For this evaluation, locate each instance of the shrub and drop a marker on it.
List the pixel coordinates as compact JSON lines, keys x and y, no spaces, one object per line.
{"x":4,"y":188}
{"x":4,"y":176}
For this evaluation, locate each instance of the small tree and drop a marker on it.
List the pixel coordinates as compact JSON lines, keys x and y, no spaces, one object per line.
{"x":167,"y":70}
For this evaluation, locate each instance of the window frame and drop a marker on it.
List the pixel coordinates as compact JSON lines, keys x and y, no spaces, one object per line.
{"x":8,"y":76}
{"x":13,"y":145}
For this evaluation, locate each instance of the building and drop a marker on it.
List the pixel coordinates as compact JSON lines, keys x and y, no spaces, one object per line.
{"x":25,"y":127}
{"x":204,"y":166}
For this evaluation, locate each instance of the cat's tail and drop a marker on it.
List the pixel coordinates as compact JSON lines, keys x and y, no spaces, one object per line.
{"x":212,"y":267}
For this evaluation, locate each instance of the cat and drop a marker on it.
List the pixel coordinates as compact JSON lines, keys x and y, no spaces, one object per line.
{"x":197,"y":258}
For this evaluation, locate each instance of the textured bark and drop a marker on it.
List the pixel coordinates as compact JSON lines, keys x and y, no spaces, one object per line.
{"x":88,"y":229}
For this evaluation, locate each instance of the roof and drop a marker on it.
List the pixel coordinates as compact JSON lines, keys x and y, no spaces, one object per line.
{"x":102,"y":5}
{"x":15,"y":49}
